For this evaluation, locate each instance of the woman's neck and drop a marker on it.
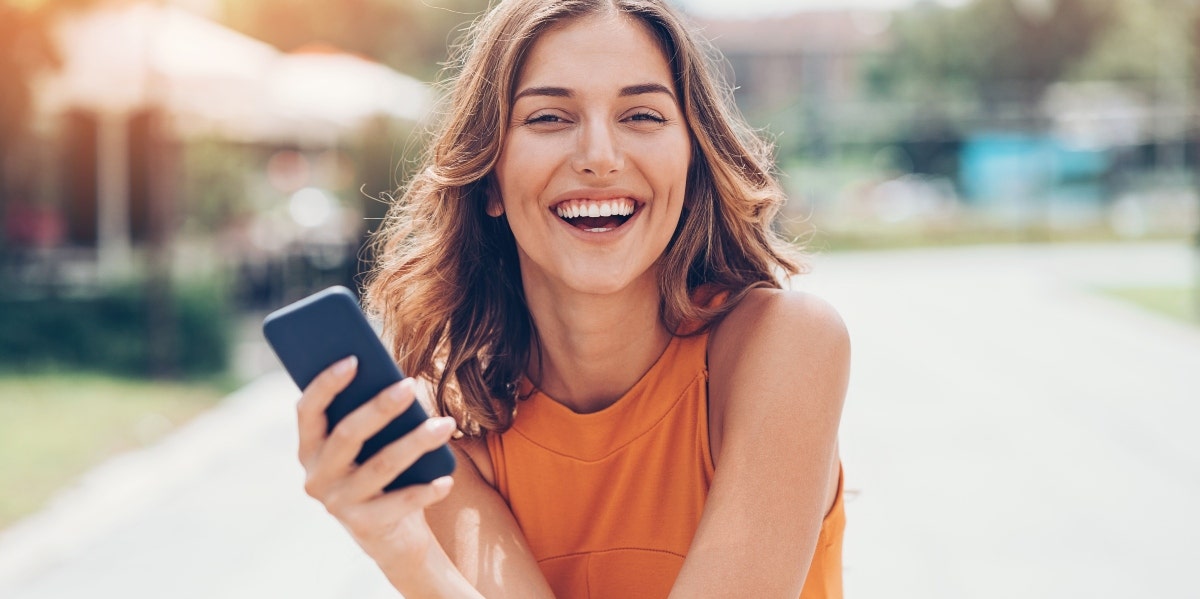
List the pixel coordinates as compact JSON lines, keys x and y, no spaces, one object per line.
{"x":594,"y":348}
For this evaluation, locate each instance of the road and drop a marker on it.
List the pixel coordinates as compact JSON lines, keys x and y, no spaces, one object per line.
{"x":1008,"y":433}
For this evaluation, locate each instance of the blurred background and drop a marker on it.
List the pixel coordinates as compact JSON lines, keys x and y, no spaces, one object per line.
{"x":1014,"y":177}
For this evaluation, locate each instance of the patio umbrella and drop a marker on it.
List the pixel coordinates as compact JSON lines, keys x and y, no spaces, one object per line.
{"x":207,"y":78}
{"x":120,"y":59}
{"x":323,"y":90}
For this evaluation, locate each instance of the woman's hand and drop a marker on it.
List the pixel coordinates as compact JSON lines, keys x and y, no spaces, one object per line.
{"x":390,"y":527}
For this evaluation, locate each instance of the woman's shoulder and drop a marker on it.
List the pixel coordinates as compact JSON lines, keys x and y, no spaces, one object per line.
{"x":772,"y":347}
{"x":776,"y":319}
{"x":473,"y":450}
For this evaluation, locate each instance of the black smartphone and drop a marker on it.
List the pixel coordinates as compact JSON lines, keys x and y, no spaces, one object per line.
{"x":313,"y":333}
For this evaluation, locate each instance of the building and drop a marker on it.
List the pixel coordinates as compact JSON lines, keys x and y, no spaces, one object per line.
{"x":799,"y":74}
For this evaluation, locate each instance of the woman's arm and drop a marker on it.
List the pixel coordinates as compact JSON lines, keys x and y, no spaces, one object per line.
{"x":779,"y":368}
{"x":480,"y":534}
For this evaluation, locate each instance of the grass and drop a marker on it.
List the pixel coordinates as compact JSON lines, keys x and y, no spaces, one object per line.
{"x":910,"y":236}
{"x":54,"y":426}
{"x":1181,"y":303}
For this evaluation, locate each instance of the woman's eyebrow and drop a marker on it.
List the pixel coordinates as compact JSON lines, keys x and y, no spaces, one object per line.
{"x":646,"y":88}
{"x":562,"y":92}
{"x":554,"y":92}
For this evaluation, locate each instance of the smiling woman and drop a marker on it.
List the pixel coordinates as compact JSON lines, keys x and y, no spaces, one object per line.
{"x":584,"y":281}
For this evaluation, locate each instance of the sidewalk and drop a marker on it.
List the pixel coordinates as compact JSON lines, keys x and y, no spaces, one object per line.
{"x":1007,"y":434}
{"x":215,"y":511}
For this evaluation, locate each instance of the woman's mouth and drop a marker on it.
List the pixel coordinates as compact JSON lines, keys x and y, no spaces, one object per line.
{"x":596,"y":216}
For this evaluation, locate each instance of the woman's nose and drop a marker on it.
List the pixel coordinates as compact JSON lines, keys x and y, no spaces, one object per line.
{"x":598,"y":152}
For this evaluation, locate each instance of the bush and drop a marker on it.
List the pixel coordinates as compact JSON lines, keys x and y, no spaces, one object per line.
{"x":110,"y":332}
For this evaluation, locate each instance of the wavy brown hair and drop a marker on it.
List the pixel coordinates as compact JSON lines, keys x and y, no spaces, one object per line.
{"x":447,"y":283}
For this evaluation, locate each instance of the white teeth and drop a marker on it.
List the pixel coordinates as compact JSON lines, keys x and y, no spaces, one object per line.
{"x":577,"y":208}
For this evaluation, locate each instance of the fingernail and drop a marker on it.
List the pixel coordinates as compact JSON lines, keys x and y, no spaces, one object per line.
{"x":396,"y":393}
{"x":440,"y":426}
{"x":346,"y":365}
{"x":442,"y":485}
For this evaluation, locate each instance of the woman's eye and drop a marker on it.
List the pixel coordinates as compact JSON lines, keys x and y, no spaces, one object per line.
{"x":648,"y":116}
{"x":543,"y":118}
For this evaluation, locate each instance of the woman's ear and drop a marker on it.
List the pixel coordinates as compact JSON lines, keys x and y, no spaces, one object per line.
{"x":494,"y":205}
{"x":495,"y":208}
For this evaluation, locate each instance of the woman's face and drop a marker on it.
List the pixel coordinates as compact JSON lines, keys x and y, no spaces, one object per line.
{"x":594,"y":166}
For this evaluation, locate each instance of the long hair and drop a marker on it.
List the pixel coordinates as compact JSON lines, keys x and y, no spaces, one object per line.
{"x":447,"y":283}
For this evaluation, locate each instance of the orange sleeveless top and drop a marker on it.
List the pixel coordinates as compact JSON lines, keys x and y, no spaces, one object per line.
{"x":610,"y":501}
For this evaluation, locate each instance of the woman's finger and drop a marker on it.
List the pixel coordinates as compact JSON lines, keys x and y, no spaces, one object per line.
{"x":310,"y":410}
{"x":405,"y":501}
{"x":368,"y":480}
{"x":393,"y":510}
{"x":347,"y":438}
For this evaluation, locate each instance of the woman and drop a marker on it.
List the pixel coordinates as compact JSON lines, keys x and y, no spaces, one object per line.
{"x":585,"y":281}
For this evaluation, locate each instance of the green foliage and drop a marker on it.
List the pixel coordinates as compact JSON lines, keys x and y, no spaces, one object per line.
{"x":1147,"y":43}
{"x":110,"y":332}
{"x":952,"y":233}
{"x":214,"y":183}
{"x":994,"y":50}
{"x":1180,"y":303}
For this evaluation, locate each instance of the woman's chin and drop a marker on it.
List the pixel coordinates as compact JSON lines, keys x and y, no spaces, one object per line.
{"x":601,"y":282}
{"x":615,"y":284}
{"x":592,"y":275}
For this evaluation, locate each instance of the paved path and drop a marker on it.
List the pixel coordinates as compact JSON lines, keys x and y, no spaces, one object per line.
{"x":216,"y":511}
{"x":1007,"y":434}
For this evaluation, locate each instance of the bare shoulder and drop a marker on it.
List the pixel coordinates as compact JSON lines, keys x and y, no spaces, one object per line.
{"x":474,"y":451}
{"x":775,"y":320}
{"x":780,"y":352}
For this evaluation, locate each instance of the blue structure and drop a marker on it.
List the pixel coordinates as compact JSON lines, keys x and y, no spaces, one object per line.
{"x":1014,"y":168}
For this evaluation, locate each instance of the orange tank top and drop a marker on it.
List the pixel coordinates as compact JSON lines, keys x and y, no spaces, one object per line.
{"x":610,"y":501}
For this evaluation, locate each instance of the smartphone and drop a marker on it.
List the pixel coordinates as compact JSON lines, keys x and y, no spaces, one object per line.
{"x":313,"y":333}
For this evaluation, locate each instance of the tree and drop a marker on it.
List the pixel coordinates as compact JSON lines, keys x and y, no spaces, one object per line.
{"x":995,"y":51}
{"x":1147,"y":43}
{"x":1034,"y":47}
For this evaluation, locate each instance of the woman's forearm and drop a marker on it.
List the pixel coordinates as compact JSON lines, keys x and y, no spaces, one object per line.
{"x":436,"y":578}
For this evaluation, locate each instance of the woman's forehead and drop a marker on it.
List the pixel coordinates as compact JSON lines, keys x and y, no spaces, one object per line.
{"x":611,"y":49}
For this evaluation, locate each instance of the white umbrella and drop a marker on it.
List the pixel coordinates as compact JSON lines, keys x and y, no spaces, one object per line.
{"x":209,"y":78}
{"x":124,"y":58}
{"x":321,"y":83}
